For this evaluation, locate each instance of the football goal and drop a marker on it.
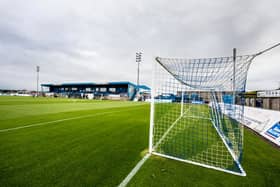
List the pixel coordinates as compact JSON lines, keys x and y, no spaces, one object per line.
{"x":195,"y":109}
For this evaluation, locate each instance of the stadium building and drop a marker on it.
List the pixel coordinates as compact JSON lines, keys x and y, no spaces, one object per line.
{"x":266,"y":99}
{"x":90,"y":90}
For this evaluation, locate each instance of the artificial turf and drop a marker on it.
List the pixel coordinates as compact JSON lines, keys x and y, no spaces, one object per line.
{"x":102,"y":147}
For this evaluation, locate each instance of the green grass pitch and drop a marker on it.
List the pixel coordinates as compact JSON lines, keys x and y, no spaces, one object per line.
{"x":71,"y":142}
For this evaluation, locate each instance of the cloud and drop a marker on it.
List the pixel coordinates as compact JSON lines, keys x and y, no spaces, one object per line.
{"x":97,"y":40}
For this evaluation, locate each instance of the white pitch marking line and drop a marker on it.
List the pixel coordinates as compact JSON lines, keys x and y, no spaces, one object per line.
{"x":56,"y":121}
{"x":134,"y":171}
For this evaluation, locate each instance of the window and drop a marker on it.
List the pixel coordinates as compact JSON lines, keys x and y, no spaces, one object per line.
{"x":103,"y":89}
{"x":88,"y":89}
{"x":74,"y":89}
{"x":112,"y":89}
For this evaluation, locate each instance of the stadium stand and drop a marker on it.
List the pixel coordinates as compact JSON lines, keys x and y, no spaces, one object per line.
{"x":108,"y":90}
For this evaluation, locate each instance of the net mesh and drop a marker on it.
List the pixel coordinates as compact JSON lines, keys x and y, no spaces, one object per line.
{"x":195,"y":110}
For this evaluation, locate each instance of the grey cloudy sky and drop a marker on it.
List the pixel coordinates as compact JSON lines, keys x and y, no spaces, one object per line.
{"x":96,"y":41}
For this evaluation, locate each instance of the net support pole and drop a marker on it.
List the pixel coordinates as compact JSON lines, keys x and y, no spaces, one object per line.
{"x":265,"y":50}
{"x":268,"y":49}
{"x":233,"y":77}
{"x":152,"y":111}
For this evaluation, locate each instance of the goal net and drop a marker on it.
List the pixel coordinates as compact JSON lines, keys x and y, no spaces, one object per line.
{"x":194,"y":113}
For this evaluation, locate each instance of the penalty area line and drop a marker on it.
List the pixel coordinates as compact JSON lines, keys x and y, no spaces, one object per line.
{"x":60,"y":120}
{"x":134,"y":170}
